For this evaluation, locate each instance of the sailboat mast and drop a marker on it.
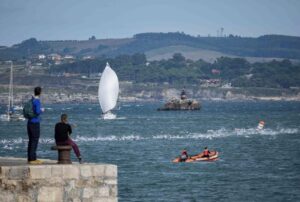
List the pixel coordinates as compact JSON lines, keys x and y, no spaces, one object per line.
{"x":10,"y":93}
{"x":11,"y":83}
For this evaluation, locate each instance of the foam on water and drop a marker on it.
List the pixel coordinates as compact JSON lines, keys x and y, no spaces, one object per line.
{"x":221,"y":133}
{"x":210,"y":134}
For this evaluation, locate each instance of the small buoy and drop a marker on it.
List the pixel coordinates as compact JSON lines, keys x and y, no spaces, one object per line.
{"x":261,"y":125}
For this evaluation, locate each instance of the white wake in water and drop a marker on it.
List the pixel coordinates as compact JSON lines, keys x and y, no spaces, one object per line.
{"x":9,"y":144}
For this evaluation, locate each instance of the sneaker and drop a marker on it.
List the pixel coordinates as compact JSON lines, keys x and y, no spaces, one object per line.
{"x":80,"y":160}
{"x":35,"y":162}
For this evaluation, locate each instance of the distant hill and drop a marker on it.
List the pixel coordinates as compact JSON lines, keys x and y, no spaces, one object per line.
{"x":163,"y":45}
{"x":198,"y":53}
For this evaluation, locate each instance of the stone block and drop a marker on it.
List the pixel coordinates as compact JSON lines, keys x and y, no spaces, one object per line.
{"x":114,"y":190}
{"x":57,"y":171}
{"x":81,"y":183}
{"x":111,"y":171}
{"x":72,"y":194}
{"x":24,"y":198}
{"x":88,"y":193}
{"x":70,"y":185}
{"x":103,"y":191}
{"x":18,"y":172}
{"x":86,"y":171}
{"x":70,"y":172}
{"x":75,"y":200}
{"x":4,"y":172}
{"x":87,"y":200}
{"x":111,"y":181}
{"x":50,"y":194}
{"x":56,"y":181}
{"x":98,"y":170}
{"x":6,"y":196}
{"x":105,"y":199}
{"x":40,"y":172}
{"x":10,"y":184}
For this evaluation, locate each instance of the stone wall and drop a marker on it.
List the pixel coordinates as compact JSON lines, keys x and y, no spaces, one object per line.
{"x":53,"y":182}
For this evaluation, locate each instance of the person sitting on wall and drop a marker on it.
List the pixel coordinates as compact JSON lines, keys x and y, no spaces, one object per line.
{"x":63,"y":131}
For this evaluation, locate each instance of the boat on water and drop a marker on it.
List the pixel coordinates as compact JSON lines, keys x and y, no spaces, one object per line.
{"x":108,"y":92}
{"x":181,"y":104}
{"x":213,"y":156}
{"x":11,"y":112}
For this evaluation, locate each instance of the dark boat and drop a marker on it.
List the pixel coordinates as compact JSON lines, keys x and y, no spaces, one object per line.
{"x":181,"y":104}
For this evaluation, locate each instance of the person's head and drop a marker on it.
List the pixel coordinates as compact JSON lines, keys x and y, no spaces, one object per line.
{"x":37,"y":91}
{"x":64,"y":118}
{"x":205,"y":147}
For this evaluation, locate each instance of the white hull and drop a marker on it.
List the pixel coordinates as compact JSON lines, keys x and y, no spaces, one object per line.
{"x":109,"y":116}
{"x":17,"y":107}
{"x":4,"y":117}
{"x":13,"y":117}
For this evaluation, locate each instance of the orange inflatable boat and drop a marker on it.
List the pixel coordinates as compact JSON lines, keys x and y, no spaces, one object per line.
{"x":213,"y":156}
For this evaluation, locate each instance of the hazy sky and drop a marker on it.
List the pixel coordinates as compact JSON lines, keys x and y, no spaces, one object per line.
{"x":80,"y":19}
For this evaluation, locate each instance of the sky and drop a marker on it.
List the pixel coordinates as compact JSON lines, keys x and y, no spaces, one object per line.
{"x":80,"y":19}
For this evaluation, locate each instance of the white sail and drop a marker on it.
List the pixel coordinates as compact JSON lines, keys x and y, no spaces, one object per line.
{"x":108,"y":89}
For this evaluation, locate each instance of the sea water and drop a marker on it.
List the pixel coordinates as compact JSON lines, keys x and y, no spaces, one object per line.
{"x":253,"y":165}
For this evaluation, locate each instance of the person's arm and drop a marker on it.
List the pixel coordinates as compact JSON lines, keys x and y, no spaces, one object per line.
{"x":37,"y":107}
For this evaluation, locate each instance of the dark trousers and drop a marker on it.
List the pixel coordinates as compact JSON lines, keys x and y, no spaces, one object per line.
{"x":33,"y":130}
{"x":73,"y":144}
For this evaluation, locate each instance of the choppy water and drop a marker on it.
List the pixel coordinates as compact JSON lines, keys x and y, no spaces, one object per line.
{"x":253,"y":166}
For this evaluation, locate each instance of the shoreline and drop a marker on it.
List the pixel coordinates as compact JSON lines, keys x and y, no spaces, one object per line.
{"x":94,"y":100}
{"x":155,"y":94}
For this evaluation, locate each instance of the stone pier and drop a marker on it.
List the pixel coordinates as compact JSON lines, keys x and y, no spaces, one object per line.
{"x":51,"y":182}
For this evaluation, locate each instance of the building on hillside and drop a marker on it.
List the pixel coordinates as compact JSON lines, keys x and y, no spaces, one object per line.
{"x":226,"y":85}
{"x":54,"y":56}
{"x":210,"y":82}
{"x":87,"y":57}
{"x":41,"y":56}
{"x":69,"y":57}
{"x":215,"y":71}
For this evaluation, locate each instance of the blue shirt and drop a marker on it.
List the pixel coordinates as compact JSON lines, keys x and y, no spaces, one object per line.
{"x":37,"y":110}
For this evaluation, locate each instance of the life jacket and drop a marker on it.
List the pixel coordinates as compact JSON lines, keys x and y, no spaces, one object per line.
{"x":206,"y":153}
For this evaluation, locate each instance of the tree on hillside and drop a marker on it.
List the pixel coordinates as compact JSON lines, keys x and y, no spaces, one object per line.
{"x":92,"y":38}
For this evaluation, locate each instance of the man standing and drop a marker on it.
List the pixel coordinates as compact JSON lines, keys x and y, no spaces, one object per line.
{"x":33,"y":127}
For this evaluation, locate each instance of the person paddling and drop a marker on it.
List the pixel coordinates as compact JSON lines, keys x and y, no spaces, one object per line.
{"x":206,"y":153}
{"x":63,"y":131}
{"x":184,"y":155}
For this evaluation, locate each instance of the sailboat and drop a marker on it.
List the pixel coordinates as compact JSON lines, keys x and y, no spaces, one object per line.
{"x":11,"y":114}
{"x":108,"y":92}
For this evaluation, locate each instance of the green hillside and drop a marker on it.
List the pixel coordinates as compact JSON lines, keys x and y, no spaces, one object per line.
{"x":179,"y":70}
{"x":268,"y":46}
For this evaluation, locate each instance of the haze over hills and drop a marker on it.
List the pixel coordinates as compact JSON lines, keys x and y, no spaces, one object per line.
{"x":158,"y":46}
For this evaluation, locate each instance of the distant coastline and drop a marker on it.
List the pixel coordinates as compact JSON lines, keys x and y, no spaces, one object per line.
{"x":202,"y":94}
